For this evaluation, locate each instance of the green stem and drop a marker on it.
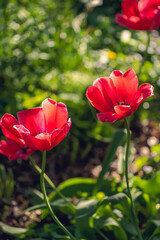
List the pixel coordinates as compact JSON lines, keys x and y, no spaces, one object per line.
{"x":48,"y":180}
{"x":145,"y":53}
{"x":101,"y":234}
{"x":133,"y":214}
{"x":47,"y":201}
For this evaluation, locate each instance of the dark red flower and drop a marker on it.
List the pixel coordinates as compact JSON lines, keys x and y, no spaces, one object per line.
{"x":14,"y":150}
{"x":118,"y":95}
{"x":140,"y":15}
{"x":39,"y":128}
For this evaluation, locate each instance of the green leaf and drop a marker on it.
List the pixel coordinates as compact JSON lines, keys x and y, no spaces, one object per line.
{"x":150,"y":228}
{"x":110,"y":224}
{"x":59,"y":204}
{"x":117,"y":140}
{"x":84,"y":210}
{"x":2,"y":180}
{"x":156,"y":234}
{"x":129,"y":226}
{"x":12,"y":230}
{"x":9,"y":184}
{"x":149,"y":186}
{"x":74,"y":186}
{"x":121,"y":202}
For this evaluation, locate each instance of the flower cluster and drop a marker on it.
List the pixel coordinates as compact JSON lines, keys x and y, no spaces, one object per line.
{"x":40,"y":128}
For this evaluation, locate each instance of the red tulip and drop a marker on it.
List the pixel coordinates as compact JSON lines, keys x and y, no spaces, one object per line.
{"x":118,"y":95}
{"x":140,"y":15}
{"x":14,"y":150}
{"x":39,"y":128}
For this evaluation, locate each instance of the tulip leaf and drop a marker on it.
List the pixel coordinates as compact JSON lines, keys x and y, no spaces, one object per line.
{"x":74,"y":187}
{"x":150,"y":229}
{"x":12,"y":230}
{"x":110,"y":224}
{"x":84,"y":211}
{"x":149,"y":186}
{"x":59,"y":204}
{"x":155,"y":235}
{"x":121,"y":202}
{"x":117,"y":140}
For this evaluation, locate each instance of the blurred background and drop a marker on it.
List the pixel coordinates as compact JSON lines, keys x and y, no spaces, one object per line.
{"x":57,"y":49}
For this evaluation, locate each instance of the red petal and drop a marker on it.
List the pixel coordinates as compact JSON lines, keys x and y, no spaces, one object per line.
{"x":126,"y":85}
{"x":105,"y":85}
{"x":108,"y":117}
{"x":130,"y":8}
{"x":144,"y":91}
{"x":147,"y":7}
{"x":55,"y":114}
{"x":61,"y":115}
{"x":33,"y":120}
{"x":57,"y":137}
{"x":25,"y":133}
{"x":6,"y":148}
{"x":96,"y":98}
{"x":7,"y":122}
{"x":12,"y":149}
{"x":122,"y":110}
{"x":40,"y":142}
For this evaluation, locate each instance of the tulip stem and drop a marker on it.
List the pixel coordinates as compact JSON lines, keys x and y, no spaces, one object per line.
{"x":145,"y":53}
{"x":47,"y":201}
{"x":51,"y":184}
{"x":133,"y":214}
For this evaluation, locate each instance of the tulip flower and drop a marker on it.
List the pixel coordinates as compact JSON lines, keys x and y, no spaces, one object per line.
{"x":14,"y":150}
{"x":40,"y":128}
{"x":118,"y":95}
{"x":140,"y":15}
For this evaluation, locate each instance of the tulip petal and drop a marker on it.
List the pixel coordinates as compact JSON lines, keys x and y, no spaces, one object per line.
{"x":33,"y":120}
{"x":96,"y":98}
{"x":122,"y":110}
{"x":9,"y":148}
{"x":40,"y":142}
{"x":25,"y":133}
{"x":147,"y":7}
{"x":140,"y":15}
{"x":13,"y":150}
{"x":144,"y":91}
{"x":130,"y":8}
{"x":126,"y":85}
{"x":49,"y":109}
{"x":7,"y":122}
{"x":108,"y":117}
{"x":58,"y":137}
{"x":106,"y":86}
{"x":55,"y":114}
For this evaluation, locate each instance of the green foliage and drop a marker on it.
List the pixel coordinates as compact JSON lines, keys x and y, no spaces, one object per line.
{"x":117,"y":139}
{"x":13,"y":231}
{"x":6,"y":183}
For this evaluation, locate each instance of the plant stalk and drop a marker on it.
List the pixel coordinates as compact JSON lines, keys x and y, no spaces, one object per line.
{"x":51,"y":184}
{"x":133,"y":214}
{"x":47,"y":201}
